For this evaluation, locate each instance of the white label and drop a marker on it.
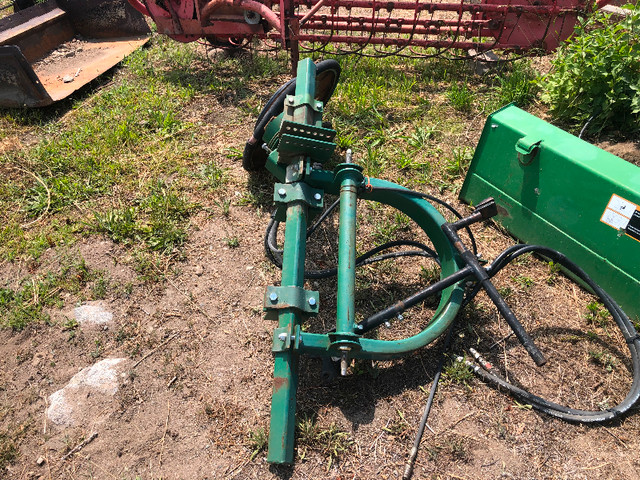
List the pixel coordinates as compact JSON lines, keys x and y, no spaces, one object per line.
{"x":614,"y":219}
{"x":622,"y":206}
{"x":618,"y":212}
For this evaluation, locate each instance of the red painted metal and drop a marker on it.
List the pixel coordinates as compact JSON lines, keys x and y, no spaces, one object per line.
{"x":401,"y":27}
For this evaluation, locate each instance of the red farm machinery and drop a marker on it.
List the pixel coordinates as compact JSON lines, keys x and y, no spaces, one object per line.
{"x":371,"y":27}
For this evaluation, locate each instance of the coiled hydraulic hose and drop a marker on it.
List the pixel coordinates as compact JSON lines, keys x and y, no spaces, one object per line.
{"x":622,"y":321}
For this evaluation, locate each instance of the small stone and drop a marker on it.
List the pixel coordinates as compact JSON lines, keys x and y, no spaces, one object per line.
{"x":40,"y":460}
{"x":67,"y":78}
{"x":199,"y":270}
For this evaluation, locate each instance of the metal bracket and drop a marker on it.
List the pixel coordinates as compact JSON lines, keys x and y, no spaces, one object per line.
{"x":298,"y":139}
{"x":527,"y":147}
{"x":285,"y":339}
{"x":282,"y":298}
{"x":285,"y":193}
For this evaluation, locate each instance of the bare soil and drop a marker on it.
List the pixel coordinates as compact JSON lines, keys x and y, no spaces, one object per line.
{"x":188,"y":410}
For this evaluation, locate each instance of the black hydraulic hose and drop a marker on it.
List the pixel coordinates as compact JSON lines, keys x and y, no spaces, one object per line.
{"x":622,"y":321}
{"x":323,"y":216}
{"x":364,"y":259}
{"x":483,"y":211}
{"x":426,"y":196}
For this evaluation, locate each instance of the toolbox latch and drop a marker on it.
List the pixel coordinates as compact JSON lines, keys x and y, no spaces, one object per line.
{"x":527,"y":147}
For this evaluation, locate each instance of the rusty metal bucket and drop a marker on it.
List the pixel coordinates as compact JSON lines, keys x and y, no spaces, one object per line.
{"x":50,"y":50}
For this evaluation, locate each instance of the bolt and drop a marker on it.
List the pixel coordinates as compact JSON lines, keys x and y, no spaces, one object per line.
{"x":387,"y":324}
{"x":344,"y":360}
{"x":359,"y":327}
{"x":318,"y":197}
{"x":312,"y":301}
{"x":493,"y":125}
{"x":349,"y":156}
{"x":400,"y":317}
{"x":282,"y":337}
{"x":319,"y":105}
{"x":290,"y":100}
{"x":282,"y":192}
{"x":273,"y":296}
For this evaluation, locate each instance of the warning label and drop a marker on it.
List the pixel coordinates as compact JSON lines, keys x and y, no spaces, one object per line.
{"x":633,"y":227}
{"x":622,"y":215}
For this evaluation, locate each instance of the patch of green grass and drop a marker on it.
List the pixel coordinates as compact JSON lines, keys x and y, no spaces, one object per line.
{"x":457,"y":372}
{"x":331,"y":441}
{"x":158,"y":221}
{"x":461,"y":97}
{"x":458,"y":164}
{"x":258,"y":440}
{"x":8,"y":450}
{"x":212,"y":176}
{"x":28,"y":302}
{"x":518,"y":84}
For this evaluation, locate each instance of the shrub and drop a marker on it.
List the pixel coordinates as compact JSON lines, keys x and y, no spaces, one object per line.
{"x":595,"y":80}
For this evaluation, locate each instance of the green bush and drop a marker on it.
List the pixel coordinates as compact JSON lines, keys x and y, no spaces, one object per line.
{"x":595,"y":79}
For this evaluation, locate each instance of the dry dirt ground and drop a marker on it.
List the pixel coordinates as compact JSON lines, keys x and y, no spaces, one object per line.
{"x":197,"y":377}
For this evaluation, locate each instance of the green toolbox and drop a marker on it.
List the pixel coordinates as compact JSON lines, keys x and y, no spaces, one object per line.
{"x":556,"y":190}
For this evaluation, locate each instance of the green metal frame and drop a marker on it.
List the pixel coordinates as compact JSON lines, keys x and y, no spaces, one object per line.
{"x":299,"y":144}
{"x":554,"y":189}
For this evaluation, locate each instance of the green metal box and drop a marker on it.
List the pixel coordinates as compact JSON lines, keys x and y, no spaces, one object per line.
{"x":556,"y":190}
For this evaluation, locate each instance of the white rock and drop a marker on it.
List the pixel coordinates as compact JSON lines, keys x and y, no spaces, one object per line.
{"x":87,"y":395}
{"x":92,"y":314}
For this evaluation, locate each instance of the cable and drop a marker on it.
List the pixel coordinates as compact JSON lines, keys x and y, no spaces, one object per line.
{"x":426,"y":196}
{"x":624,"y":324}
{"x":408,"y":469}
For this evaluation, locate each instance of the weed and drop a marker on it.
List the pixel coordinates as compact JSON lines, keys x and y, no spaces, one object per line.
{"x":421,"y":136}
{"x":225,"y":206}
{"x":518,"y":85}
{"x":97,"y":353}
{"x":158,"y":221}
{"x":461,"y":97}
{"x":100,"y":287}
{"x":232,"y":242}
{"x":71,"y":326}
{"x":430,"y":274}
{"x":505,"y":292}
{"x":597,"y":315}
{"x":399,"y":427}
{"x":458,"y":164}
{"x":606,"y":360}
{"x":257,"y":442}
{"x":457,"y":372}
{"x":524,"y":281}
{"x":212,"y":176}
{"x":8,"y":450}
{"x":373,"y":161}
{"x":594,"y":83}
{"x":554,"y":270}
{"x":331,"y":441}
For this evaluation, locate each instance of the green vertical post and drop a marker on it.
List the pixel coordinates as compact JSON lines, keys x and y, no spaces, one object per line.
{"x":285,"y":372}
{"x":350,"y":178}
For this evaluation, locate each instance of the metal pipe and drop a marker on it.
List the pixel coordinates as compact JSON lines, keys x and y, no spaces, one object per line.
{"x":260,"y":8}
{"x":310,"y":13}
{"x":346,"y":315}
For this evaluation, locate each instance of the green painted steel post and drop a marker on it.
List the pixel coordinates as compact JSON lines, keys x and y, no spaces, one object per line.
{"x":349,"y":176}
{"x":285,"y":372}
